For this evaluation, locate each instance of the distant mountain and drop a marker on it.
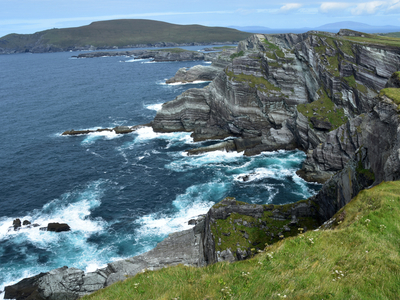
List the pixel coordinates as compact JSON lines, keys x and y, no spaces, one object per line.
{"x":118,"y":34}
{"x":335,"y":27}
{"x":331,"y":27}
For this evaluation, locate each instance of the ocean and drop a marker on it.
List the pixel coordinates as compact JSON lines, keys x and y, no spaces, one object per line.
{"x":120,"y":194}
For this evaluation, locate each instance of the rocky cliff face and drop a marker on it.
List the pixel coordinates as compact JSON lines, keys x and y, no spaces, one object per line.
{"x":375,"y":131}
{"x":284,"y":91}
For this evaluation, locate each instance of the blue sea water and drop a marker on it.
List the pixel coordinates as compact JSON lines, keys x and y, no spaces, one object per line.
{"x":121,"y":194}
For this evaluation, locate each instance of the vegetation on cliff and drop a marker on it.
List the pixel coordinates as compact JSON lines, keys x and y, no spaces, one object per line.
{"x":392,"y":93}
{"x":324,"y":110}
{"x":245,"y":232}
{"x":355,"y":257}
{"x":260,"y":83}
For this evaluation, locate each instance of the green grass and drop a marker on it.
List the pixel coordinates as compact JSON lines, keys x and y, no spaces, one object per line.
{"x":125,"y":32}
{"x":234,"y":55}
{"x":332,"y":62}
{"x":357,"y":259}
{"x":392,"y":34}
{"x":352,"y":82}
{"x":324,"y":109}
{"x":392,"y":93}
{"x":274,"y":48}
{"x":260,"y":83}
{"x":375,"y":39}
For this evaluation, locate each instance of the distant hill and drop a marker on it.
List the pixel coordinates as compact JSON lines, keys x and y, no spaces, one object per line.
{"x":393,"y":34}
{"x":331,"y":27}
{"x":118,"y":33}
{"x":362,"y":27}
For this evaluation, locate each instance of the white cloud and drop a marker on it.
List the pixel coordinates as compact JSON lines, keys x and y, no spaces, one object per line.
{"x":333,"y":7}
{"x":393,"y":8}
{"x":289,"y":7}
{"x":367,"y":8}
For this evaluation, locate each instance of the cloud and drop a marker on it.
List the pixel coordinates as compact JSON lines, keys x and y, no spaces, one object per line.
{"x":393,"y":8}
{"x":367,"y":8}
{"x":289,"y":7}
{"x":333,"y":7}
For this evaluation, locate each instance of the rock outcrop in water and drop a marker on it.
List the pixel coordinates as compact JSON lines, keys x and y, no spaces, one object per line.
{"x":196,"y":73}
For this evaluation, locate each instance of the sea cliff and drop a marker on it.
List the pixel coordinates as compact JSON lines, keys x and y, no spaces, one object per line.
{"x":331,"y":95}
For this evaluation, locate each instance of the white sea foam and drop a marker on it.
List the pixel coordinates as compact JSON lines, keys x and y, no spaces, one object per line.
{"x":94,"y":136}
{"x":155,"y":107}
{"x":73,"y":208}
{"x":146,"y":133}
{"x":185,"y":83}
{"x":196,"y":201}
{"x":141,"y":60}
{"x":197,"y":161}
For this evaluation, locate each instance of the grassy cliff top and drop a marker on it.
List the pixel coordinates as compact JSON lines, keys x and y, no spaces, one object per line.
{"x":123,"y":33}
{"x":358,"y":258}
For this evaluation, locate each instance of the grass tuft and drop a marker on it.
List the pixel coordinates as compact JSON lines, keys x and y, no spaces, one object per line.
{"x":323,"y":109}
{"x":392,"y":93}
{"x":260,"y":83}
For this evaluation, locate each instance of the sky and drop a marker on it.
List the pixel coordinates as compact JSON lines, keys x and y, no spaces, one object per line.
{"x":29,"y":16}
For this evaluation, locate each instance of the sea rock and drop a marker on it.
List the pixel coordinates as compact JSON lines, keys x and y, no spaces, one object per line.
{"x":117,"y":130}
{"x":26,"y":222}
{"x":58,"y":227}
{"x":196,"y":73}
{"x":17,"y":224}
{"x":224,"y":146}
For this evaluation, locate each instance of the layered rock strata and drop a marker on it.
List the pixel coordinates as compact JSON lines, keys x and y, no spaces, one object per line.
{"x":196,"y":73}
{"x":266,"y":91}
{"x":375,"y":131}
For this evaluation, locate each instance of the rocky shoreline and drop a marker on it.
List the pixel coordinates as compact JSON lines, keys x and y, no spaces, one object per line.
{"x":319,"y":92}
{"x":53,"y":48}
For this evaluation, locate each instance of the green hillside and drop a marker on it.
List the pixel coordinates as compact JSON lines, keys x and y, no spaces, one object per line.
{"x":121,"y":33}
{"x":392,"y":34}
{"x":358,"y":257}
